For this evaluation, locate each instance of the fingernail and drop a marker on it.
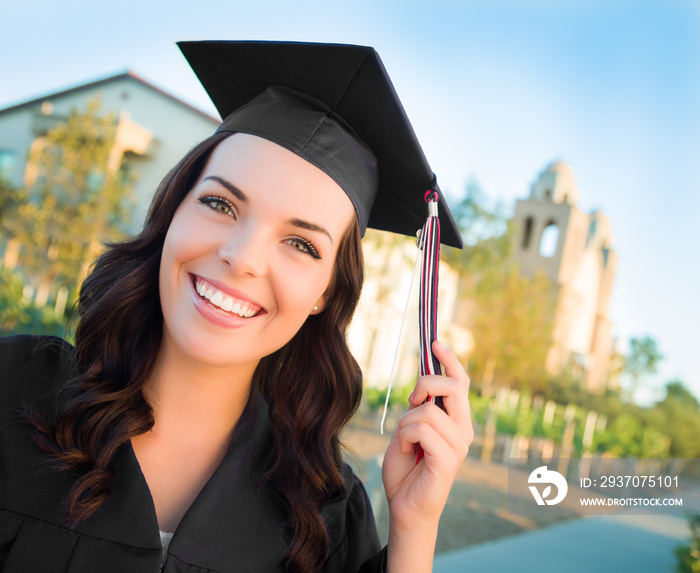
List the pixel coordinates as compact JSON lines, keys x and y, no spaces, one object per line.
{"x":410,"y":398}
{"x":441,"y":345}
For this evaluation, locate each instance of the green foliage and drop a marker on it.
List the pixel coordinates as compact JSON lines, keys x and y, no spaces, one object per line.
{"x":679,"y":416}
{"x":10,"y":197}
{"x":671,"y":428}
{"x":485,"y":230}
{"x":623,"y":438}
{"x":554,"y":431}
{"x":568,"y":388}
{"x":20,"y":316}
{"x":677,"y":393}
{"x":632,"y":431}
{"x":512,"y":325}
{"x":479,"y":406}
{"x":642,"y":358}
{"x":375,"y":397}
{"x":688,"y":556}
{"x":75,"y":200}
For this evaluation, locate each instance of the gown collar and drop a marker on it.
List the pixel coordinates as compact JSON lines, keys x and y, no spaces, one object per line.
{"x":229,"y":512}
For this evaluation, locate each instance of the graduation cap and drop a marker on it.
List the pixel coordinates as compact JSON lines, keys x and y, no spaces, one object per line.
{"x":335,"y":106}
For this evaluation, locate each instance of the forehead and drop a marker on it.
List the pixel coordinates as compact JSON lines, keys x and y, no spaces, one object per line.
{"x":268,"y":173}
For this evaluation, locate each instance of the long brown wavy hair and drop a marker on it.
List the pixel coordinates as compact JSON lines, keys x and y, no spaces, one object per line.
{"x":312,"y":385}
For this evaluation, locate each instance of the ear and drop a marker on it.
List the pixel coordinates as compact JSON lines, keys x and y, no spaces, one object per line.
{"x":320,"y":305}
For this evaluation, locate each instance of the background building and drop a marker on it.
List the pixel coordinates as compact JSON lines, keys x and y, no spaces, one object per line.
{"x":575,"y":250}
{"x":154,"y":131}
{"x":375,"y":335}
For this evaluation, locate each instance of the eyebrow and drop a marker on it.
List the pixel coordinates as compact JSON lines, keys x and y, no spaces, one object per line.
{"x":310,"y":227}
{"x":236,"y":192}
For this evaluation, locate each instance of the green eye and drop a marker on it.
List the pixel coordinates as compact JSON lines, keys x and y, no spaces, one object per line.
{"x":304,"y":246}
{"x":220,"y":204}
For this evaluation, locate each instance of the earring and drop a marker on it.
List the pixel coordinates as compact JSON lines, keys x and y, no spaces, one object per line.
{"x":315,"y":309}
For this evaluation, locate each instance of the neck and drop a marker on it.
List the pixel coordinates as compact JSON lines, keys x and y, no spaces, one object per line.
{"x":193,"y":401}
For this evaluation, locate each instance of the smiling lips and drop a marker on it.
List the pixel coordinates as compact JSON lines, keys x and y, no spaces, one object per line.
{"x":224,"y":301}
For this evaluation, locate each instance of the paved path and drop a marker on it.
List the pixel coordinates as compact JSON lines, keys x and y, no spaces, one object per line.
{"x":621,"y":543}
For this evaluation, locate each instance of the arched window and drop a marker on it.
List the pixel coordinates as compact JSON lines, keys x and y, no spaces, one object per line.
{"x":549,"y":240}
{"x":527,"y":235}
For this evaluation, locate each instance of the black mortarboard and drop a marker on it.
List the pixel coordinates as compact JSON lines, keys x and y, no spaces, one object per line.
{"x":335,"y":106}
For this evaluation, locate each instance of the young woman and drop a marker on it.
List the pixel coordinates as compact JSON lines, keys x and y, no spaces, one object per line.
{"x":195,"y":425}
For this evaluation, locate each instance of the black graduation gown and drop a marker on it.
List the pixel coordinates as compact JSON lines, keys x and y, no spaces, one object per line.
{"x":229,"y":527}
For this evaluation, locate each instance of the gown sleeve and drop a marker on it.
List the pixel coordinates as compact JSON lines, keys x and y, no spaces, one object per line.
{"x":359,"y":549}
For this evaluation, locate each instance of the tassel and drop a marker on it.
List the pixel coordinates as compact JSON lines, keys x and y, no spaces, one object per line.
{"x":429,"y":243}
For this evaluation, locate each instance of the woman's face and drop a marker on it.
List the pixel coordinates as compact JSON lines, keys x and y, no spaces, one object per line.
{"x":249,"y":253}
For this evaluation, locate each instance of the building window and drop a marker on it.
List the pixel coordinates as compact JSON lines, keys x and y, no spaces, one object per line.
{"x":528,"y":233}
{"x":549,"y":240}
{"x":591,"y":232}
{"x":8,"y":162}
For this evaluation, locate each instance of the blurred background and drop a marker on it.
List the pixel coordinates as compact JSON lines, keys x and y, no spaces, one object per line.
{"x":565,"y":137}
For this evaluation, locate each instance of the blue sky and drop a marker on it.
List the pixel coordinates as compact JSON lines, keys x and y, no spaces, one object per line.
{"x":496,"y":90}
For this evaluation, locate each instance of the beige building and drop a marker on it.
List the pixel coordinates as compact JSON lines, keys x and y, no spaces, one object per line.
{"x":154,"y":130}
{"x":389,"y":293}
{"x":575,"y":249}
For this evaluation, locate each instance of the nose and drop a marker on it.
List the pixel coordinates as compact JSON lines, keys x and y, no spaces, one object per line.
{"x":245,"y":251}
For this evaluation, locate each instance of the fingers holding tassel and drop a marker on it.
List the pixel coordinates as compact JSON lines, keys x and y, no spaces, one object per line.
{"x":420,"y":489}
{"x":453,"y":387}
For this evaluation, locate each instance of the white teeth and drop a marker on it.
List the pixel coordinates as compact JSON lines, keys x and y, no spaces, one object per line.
{"x":224,"y":302}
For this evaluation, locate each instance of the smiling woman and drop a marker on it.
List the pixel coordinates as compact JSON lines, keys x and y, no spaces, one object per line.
{"x":238,"y":234}
{"x":195,"y":426}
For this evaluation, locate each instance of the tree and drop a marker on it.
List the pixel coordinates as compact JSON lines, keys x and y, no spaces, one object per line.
{"x":17,"y":314}
{"x":512,"y":326}
{"x":688,"y":554}
{"x":677,"y":392}
{"x":511,"y":315}
{"x":487,"y":235}
{"x":642,"y":358}
{"x":74,"y":200}
{"x":679,"y":416}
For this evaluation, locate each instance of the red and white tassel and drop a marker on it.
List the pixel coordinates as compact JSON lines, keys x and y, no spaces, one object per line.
{"x":429,"y":243}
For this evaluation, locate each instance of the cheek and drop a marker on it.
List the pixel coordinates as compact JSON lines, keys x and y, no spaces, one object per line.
{"x":187,"y":239}
{"x":178,"y":248}
{"x":297,"y":292}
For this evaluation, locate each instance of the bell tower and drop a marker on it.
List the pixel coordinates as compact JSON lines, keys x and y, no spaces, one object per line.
{"x":575,"y":250}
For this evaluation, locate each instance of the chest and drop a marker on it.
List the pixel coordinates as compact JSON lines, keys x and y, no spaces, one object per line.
{"x":175,"y":473}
